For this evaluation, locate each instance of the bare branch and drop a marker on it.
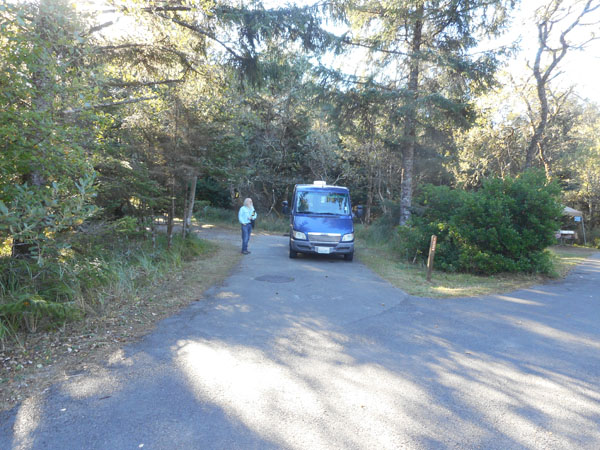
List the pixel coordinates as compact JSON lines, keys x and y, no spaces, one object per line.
{"x":203,"y":32}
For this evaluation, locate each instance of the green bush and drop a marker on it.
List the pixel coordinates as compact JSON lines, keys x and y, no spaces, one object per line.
{"x":503,"y":227}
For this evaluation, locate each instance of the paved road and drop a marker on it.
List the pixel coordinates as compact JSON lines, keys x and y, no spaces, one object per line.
{"x":317,"y":353}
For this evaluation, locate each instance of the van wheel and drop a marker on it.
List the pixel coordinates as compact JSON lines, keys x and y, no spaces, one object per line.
{"x":293,"y":254}
{"x":349,"y":256}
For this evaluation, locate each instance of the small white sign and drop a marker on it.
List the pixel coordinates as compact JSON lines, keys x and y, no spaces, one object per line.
{"x":325,"y":250}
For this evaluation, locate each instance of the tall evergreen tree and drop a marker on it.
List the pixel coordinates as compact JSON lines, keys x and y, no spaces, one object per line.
{"x":422,"y":48}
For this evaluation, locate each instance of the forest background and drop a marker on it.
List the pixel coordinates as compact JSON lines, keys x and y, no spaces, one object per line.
{"x":115,"y":113}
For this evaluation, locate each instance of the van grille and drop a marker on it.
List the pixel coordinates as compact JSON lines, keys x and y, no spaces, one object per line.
{"x":326,"y":238}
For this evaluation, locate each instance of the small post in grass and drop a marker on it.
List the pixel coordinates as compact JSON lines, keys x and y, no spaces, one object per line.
{"x":431,"y":256}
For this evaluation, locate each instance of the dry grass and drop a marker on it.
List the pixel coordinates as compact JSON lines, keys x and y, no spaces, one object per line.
{"x":412,"y":278}
{"x":569,"y":256}
{"x":42,"y":359}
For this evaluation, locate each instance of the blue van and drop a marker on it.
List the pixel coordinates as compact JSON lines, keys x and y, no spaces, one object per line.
{"x":321,"y":220}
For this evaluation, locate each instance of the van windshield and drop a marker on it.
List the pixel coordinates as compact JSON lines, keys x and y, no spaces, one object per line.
{"x":314,"y":202}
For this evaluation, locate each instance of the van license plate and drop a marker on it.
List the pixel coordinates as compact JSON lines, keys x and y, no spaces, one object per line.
{"x":326,"y":250}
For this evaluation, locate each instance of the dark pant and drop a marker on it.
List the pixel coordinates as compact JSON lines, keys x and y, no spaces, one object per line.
{"x":246,"y":230}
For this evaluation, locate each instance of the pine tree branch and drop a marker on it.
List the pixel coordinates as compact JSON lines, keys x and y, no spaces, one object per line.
{"x":108,"y":105}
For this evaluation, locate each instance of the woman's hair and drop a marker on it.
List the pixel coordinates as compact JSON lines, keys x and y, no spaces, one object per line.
{"x":247,"y":201}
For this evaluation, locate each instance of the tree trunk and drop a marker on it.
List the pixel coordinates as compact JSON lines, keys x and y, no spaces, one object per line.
{"x":369,"y":195}
{"x":186,"y":196}
{"x":153,"y":228}
{"x":553,"y":15}
{"x":545,"y":161}
{"x":410,"y":128}
{"x":535,"y":145}
{"x":171,"y":215}
{"x":190,"y":205}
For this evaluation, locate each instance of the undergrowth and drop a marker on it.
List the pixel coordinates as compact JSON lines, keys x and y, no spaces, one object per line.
{"x":271,"y":223}
{"x":89,"y":273}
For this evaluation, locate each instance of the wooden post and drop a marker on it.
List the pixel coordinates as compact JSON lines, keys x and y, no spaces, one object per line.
{"x":431,"y":256}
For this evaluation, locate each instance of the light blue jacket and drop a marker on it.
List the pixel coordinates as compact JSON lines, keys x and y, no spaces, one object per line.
{"x":246,"y":215}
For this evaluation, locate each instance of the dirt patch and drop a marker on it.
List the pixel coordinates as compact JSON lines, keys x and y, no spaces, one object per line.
{"x":30,"y":367}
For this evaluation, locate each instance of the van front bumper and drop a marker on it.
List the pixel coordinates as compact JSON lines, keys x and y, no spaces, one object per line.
{"x":305,"y":246}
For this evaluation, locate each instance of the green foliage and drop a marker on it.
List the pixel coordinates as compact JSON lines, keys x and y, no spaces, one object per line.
{"x":30,"y":310}
{"x":211,"y":214}
{"x":42,"y":80}
{"x":106,"y":266}
{"x":273,"y":223}
{"x":213,"y":191}
{"x":503,"y":227}
{"x":377,"y":234}
{"x":36,"y":215}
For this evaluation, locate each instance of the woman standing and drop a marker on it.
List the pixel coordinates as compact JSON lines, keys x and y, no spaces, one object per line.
{"x":246,"y":215}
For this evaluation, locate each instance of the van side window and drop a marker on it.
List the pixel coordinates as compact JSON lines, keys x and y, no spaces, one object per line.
{"x":303,"y":205}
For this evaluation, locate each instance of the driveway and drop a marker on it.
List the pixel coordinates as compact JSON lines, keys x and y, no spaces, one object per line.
{"x":319,"y":353}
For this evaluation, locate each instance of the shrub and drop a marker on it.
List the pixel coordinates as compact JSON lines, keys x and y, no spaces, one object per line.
{"x":503,"y":227}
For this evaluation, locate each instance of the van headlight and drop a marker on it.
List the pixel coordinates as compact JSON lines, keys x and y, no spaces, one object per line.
{"x":348,"y":237}
{"x":298,"y":235}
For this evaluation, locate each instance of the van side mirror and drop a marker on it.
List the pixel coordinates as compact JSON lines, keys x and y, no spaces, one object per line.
{"x":285,"y":209}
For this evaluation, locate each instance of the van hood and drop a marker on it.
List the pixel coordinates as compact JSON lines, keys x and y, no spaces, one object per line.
{"x":316,"y":223}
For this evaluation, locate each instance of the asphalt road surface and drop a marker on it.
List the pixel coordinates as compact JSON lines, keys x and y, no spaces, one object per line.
{"x":320,"y":353}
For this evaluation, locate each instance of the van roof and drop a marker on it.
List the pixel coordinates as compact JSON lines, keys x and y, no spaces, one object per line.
{"x":312,"y":187}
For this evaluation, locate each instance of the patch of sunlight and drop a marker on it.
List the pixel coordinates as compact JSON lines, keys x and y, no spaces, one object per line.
{"x":552,"y":333}
{"x":452,"y":292}
{"x":103,"y":383}
{"x":227,"y":294}
{"x":126,"y":164}
{"x":207,"y":225}
{"x":312,"y":268}
{"x":26,"y":422}
{"x":233,"y":308}
{"x":503,"y":393}
{"x":6,"y":247}
{"x":313,"y":395}
{"x":118,"y":357}
{"x":544,"y":293}
{"x":517,"y":300}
